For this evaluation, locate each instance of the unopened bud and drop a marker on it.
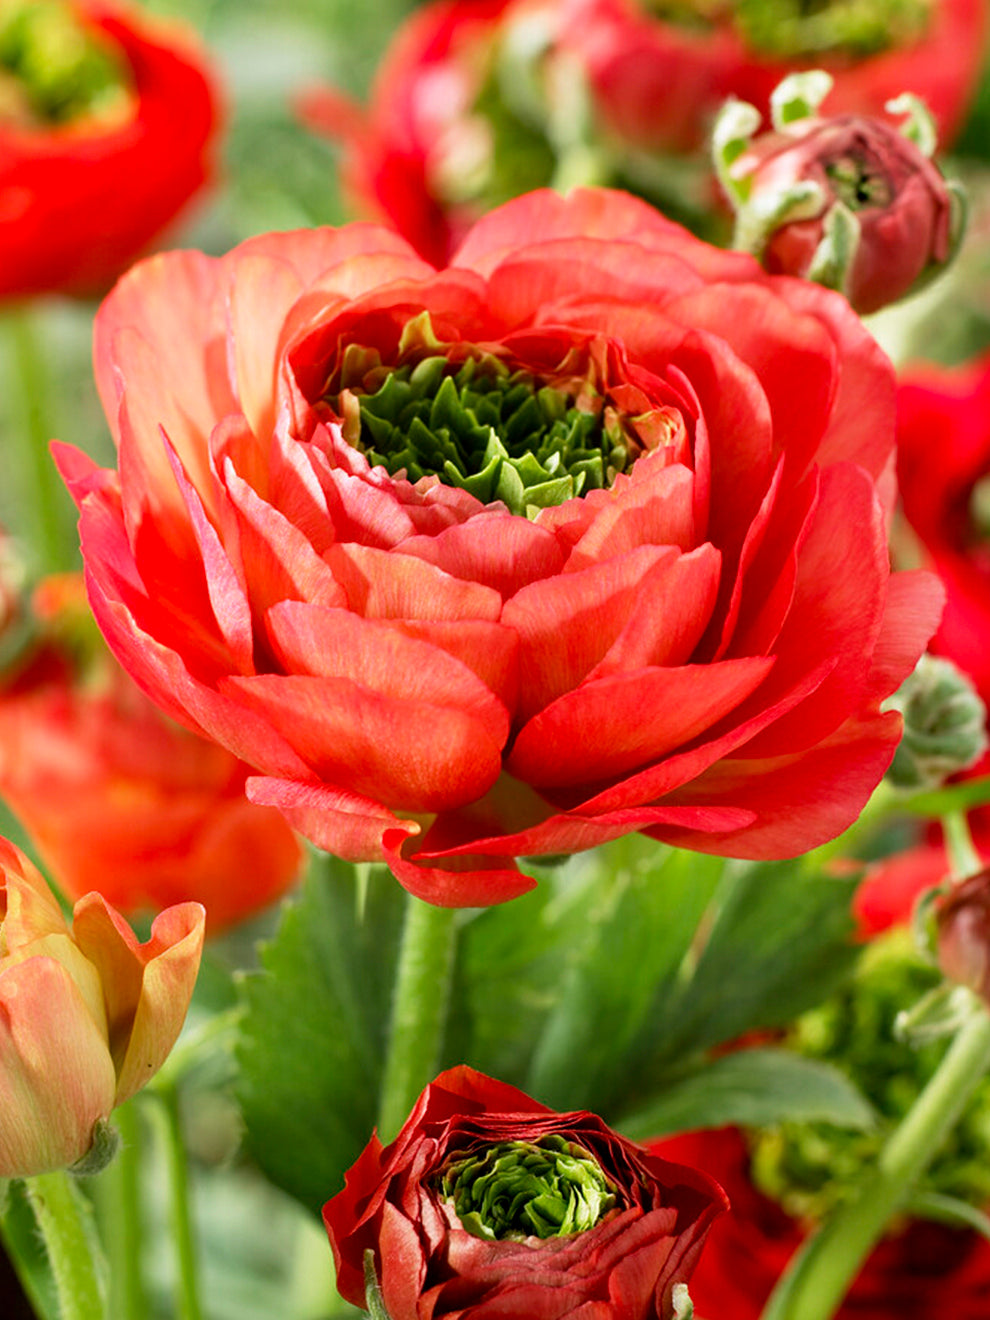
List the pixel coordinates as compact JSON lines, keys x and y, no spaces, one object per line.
{"x":849,"y":201}
{"x":944,"y":725}
{"x":962,"y":916}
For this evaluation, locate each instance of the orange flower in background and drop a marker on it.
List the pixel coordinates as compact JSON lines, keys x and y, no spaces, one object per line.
{"x":87,"y":1015}
{"x":119,"y":799}
{"x":107,"y":127}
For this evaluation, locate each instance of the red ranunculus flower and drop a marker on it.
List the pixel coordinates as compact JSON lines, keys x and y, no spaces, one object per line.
{"x":580,"y":536}
{"x":489,"y":1204}
{"x":116,"y":797}
{"x":920,"y":1271}
{"x":107,"y":121}
{"x":478,"y":100}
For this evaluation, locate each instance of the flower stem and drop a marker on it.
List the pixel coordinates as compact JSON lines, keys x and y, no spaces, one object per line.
{"x":118,"y":1205}
{"x":419,"y":1010}
{"x":183,"y":1228}
{"x":73,"y":1252}
{"x":42,"y":490}
{"x":963,"y":857}
{"x":820,"y":1274}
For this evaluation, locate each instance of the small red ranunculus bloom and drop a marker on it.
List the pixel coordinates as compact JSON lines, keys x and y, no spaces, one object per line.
{"x":489,"y":1204}
{"x":107,"y":126}
{"x":582,"y":535}
{"x":118,"y":798}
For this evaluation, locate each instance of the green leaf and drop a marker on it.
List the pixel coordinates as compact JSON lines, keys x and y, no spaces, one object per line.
{"x":753,"y":1088}
{"x":778,"y":943}
{"x":955,"y":797}
{"x":313,"y":1036}
{"x":639,"y":920}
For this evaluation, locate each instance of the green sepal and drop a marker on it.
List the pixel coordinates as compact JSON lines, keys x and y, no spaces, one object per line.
{"x":732,"y":133}
{"x":940,"y":1012}
{"x":106,"y":1143}
{"x":835,"y":254}
{"x":681,"y":1298}
{"x":373,"y":1300}
{"x":919,"y":126}
{"x":798,"y":96}
{"x":938,"y":1208}
{"x":763,"y":215}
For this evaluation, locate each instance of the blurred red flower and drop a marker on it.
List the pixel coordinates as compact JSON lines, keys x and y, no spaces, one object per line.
{"x":119,"y":799}
{"x":943,"y":467}
{"x":97,"y":155}
{"x":424,"y":1207}
{"x":580,"y":536}
{"x":918,"y":1272}
{"x":478,"y":100}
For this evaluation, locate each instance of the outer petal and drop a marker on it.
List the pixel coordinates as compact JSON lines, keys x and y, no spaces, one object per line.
{"x":58,"y":1074}
{"x":147,"y":986}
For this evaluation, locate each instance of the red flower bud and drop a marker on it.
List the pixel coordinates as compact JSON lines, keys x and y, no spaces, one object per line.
{"x":850,"y":201}
{"x":962,"y":917}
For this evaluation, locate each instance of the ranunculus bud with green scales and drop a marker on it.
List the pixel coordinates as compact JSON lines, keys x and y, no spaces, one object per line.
{"x":853,"y":202}
{"x":944,"y":725}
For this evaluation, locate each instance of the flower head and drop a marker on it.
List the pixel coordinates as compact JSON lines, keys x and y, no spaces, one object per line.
{"x":578,"y":536}
{"x":87,"y":1015}
{"x":850,"y":201}
{"x":107,"y":125}
{"x":488,"y":1201}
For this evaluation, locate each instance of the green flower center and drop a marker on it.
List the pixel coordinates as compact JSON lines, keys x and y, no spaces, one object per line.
{"x":54,"y":69}
{"x":493,"y":429}
{"x":811,"y":1168}
{"x":791,"y":29}
{"x":520,"y":1189}
{"x":859,"y":184}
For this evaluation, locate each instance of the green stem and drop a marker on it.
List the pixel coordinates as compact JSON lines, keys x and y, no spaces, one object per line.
{"x":963,"y":857}
{"x":183,"y":1229}
{"x":419,"y":1010}
{"x":118,"y":1204}
{"x":62,"y":1218}
{"x":819,"y":1276}
{"x":43,"y":491}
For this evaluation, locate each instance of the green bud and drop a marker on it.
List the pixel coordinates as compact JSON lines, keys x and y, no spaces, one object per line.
{"x":944,"y":725}
{"x":520,"y":1189}
{"x":106,"y":1143}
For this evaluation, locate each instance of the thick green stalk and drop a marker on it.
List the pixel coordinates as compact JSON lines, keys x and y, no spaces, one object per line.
{"x":419,"y":1010}
{"x":42,"y":488}
{"x":821,"y":1273}
{"x":118,"y":1208}
{"x":183,"y":1228}
{"x":73,"y":1252}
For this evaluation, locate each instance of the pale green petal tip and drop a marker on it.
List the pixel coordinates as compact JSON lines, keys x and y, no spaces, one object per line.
{"x":758,"y":221}
{"x":835,"y":254}
{"x":734,"y":127}
{"x":683,"y":1306}
{"x":919,"y":127}
{"x":798,"y":96}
